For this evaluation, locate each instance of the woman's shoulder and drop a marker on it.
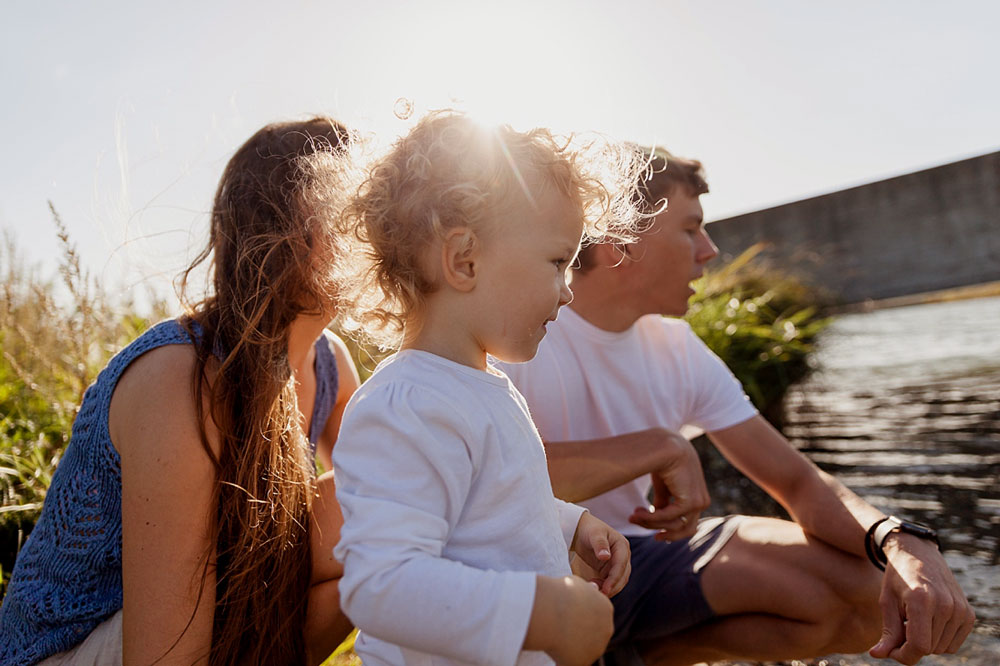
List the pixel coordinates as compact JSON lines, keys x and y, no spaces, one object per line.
{"x":156,"y":394}
{"x":163,"y":356}
{"x":160,"y":368}
{"x":338,"y":351}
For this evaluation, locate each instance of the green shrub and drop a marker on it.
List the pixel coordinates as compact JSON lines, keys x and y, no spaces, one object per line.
{"x":761,"y":322}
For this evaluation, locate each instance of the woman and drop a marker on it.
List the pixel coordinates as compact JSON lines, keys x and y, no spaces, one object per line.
{"x":177,"y":528}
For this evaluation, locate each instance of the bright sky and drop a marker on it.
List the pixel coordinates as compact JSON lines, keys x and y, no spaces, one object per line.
{"x":123,"y":114}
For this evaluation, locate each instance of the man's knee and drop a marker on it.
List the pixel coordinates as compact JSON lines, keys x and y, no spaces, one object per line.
{"x":857,"y":623}
{"x":772,"y":567}
{"x":845,"y":616}
{"x":841,"y":623}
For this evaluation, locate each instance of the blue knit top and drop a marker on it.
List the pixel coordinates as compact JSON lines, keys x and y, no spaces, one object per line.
{"x":68,"y":577}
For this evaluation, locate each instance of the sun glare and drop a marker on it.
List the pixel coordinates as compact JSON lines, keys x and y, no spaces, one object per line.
{"x":505,"y":72}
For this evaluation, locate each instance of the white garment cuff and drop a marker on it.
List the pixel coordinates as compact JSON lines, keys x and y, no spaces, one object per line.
{"x":517,"y":599}
{"x":569,"y":518}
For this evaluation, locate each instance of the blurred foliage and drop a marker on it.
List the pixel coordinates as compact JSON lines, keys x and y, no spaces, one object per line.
{"x":761,"y":322}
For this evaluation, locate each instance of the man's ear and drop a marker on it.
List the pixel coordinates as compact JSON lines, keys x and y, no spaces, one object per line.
{"x":613,"y":255}
{"x":459,"y":258}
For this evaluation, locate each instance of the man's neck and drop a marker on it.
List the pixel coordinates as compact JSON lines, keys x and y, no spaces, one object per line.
{"x":602,"y":305}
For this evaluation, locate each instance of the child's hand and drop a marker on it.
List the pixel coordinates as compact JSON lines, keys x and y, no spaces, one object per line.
{"x":605,"y":552}
{"x":571,"y":621}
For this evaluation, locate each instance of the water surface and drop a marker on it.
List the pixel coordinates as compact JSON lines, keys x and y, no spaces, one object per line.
{"x":904,"y":408}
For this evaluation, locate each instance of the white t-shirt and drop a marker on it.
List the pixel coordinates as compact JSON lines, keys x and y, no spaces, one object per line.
{"x":587,"y":383}
{"x":449,"y":515}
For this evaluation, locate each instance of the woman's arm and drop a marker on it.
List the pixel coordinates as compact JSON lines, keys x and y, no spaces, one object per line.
{"x":167,"y":513}
{"x":326,"y":626}
{"x":347,"y":383}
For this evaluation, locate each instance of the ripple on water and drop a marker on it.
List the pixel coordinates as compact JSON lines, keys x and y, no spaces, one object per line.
{"x":904,"y":407}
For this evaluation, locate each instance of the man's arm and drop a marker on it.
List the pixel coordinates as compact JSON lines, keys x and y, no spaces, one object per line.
{"x":819,"y":503}
{"x":924,"y":610}
{"x":583,"y":469}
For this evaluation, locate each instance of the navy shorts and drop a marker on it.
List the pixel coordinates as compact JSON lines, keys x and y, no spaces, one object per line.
{"x":663,"y":594}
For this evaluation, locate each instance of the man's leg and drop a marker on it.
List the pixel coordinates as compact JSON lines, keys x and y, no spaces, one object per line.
{"x":778,"y":594}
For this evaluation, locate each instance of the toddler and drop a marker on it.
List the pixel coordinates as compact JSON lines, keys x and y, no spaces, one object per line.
{"x":454,"y":548}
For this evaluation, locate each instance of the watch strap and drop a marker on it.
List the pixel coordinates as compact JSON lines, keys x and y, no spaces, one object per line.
{"x":881,"y":529}
{"x":885,"y":527}
{"x":875,"y":555}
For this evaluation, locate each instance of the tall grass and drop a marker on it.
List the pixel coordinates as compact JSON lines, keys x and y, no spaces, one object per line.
{"x":54,"y":336}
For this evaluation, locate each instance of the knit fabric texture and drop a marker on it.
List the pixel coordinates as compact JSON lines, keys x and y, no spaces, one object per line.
{"x":68,"y":576}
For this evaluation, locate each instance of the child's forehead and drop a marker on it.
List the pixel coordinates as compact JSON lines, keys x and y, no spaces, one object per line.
{"x":536,"y":189}
{"x":545,"y":213}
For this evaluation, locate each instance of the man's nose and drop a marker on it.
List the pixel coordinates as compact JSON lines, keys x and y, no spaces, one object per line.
{"x":707,"y":250}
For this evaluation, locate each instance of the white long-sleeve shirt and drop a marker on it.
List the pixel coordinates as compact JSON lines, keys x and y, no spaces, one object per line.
{"x":448,"y":515}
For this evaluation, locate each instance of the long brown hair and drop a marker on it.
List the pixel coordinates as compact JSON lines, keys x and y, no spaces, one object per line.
{"x":267,"y":256}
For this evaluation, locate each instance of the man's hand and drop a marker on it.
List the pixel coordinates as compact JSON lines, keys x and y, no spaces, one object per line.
{"x":605,"y":552}
{"x":924,"y":611}
{"x":679,"y":492}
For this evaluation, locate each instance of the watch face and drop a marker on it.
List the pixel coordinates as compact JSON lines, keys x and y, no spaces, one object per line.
{"x":894,"y":524}
{"x":917,"y":529}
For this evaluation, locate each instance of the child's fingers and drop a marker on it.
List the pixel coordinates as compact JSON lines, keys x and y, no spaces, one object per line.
{"x":599,"y":544}
{"x":614,"y":583}
{"x":616,"y":570}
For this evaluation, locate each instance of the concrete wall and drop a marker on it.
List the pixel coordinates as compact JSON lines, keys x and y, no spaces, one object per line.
{"x":929,"y":230}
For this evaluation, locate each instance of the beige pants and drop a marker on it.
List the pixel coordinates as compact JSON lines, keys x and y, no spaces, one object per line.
{"x":102,"y":647}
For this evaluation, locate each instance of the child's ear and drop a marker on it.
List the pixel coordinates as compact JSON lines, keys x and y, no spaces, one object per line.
{"x":459,"y":257}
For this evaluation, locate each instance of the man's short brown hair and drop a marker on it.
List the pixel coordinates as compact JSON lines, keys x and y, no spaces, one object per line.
{"x":665,"y":175}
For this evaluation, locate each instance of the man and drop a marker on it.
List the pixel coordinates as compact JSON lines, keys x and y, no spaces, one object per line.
{"x":610,"y":389}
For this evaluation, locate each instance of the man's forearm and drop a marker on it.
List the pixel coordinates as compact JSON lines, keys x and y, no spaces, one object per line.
{"x":830,"y":511}
{"x":583,"y":469}
{"x":818,"y":502}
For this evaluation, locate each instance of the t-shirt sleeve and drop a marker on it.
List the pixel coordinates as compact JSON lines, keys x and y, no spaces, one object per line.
{"x":718,"y":400}
{"x":404,"y":465}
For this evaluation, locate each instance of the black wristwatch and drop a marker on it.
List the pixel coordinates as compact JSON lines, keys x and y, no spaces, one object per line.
{"x":881,"y":529}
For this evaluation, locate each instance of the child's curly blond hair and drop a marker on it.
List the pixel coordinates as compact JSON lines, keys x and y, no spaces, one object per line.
{"x":448,"y":172}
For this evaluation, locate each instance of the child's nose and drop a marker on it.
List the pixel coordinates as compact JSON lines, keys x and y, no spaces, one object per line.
{"x":565,"y":294}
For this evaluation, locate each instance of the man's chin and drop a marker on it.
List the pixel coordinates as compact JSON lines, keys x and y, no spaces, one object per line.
{"x":676,"y":310}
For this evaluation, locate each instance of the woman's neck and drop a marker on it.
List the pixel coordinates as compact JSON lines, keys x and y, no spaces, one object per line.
{"x":302,"y":336}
